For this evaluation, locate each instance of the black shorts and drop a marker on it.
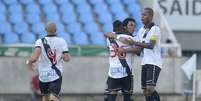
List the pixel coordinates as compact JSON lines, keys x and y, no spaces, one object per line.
{"x":124,"y":84}
{"x":52,"y":87}
{"x":149,"y":75}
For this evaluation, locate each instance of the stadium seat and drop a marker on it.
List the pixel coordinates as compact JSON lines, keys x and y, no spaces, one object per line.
{"x":15,"y":8}
{"x":80,"y":38}
{"x":68,"y":13}
{"x":79,"y":2}
{"x":100,"y":8}
{"x":105,"y":18}
{"x":74,"y":28}
{"x":84,"y":8}
{"x":38,"y":28}
{"x":94,"y":2}
{"x":32,"y":18}
{"x":5,"y":28}
{"x":2,"y":17}
{"x":121,"y":16}
{"x":2,"y":8}
{"x":116,"y":8}
{"x":69,"y":20}
{"x":45,"y":2}
{"x":50,"y":8}
{"x":11,"y":38}
{"x":60,"y":27}
{"x":60,"y":2}
{"x":98,"y":39}
{"x":111,"y":2}
{"x":135,"y":12}
{"x":20,"y":28}
{"x":16,"y":18}
{"x":91,"y":28}
{"x":129,"y":1}
{"x":86,"y":18}
{"x":28,"y":37}
{"x":26,"y":2}
{"x":66,"y":37}
{"x":66,"y":8}
{"x":107,"y":27}
{"x":53,"y":17}
{"x":9,"y":2}
{"x":32,"y":8}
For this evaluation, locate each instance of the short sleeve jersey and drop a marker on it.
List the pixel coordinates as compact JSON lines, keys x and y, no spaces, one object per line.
{"x":58,"y":46}
{"x":116,"y":70}
{"x":151,"y":56}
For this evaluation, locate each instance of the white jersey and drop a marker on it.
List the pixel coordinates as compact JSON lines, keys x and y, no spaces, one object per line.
{"x":151,"y":56}
{"x":116,"y":70}
{"x":58,"y":46}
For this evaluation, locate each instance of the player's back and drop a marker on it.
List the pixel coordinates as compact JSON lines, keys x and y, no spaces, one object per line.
{"x":115,"y":64}
{"x":57,"y":47}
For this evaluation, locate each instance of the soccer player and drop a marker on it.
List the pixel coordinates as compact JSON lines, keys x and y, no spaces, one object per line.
{"x":149,"y":36}
{"x":50,"y":51}
{"x":151,"y":55}
{"x":120,"y":70}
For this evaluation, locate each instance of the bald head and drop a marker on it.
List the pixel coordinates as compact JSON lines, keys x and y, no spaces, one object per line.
{"x":51,"y":28}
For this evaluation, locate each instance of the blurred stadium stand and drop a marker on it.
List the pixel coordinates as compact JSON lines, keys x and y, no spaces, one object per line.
{"x":80,"y":21}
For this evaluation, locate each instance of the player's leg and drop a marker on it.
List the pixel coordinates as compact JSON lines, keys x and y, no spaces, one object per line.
{"x":53,"y":97}
{"x":55,"y":88}
{"x":152,"y":77}
{"x":110,"y":95}
{"x":112,"y":89}
{"x":127,"y":88}
{"x":143,"y":82}
{"x":44,"y":90}
{"x":45,"y":98}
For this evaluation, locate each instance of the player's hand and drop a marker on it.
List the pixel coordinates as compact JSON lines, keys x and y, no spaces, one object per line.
{"x":29,"y":65}
{"x":121,"y":50}
{"x":127,"y":41}
{"x":110,"y":35}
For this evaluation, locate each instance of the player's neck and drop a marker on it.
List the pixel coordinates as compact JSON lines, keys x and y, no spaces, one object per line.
{"x":147,"y":24}
{"x":51,"y":34}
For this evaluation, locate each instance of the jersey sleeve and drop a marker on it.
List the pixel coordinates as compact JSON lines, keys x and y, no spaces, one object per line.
{"x":64,"y":46}
{"x":38,"y":43}
{"x":107,"y":42}
{"x":154,"y":34}
{"x":136,"y":37}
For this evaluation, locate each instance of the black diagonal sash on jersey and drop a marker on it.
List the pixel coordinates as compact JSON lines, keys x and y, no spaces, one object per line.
{"x":145,"y":35}
{"x":46,"y":47}
{"x":122,"y":61}
{"x":147,"y":30}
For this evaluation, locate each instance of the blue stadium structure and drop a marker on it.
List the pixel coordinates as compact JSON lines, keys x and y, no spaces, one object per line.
{"x":80,"y":22}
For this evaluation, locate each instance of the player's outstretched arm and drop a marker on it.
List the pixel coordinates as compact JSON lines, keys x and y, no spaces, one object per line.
{"x":34,"y":57}
{"x":134,"y":50}
{"x":110,"y":35}
{"x":149,"y":45}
